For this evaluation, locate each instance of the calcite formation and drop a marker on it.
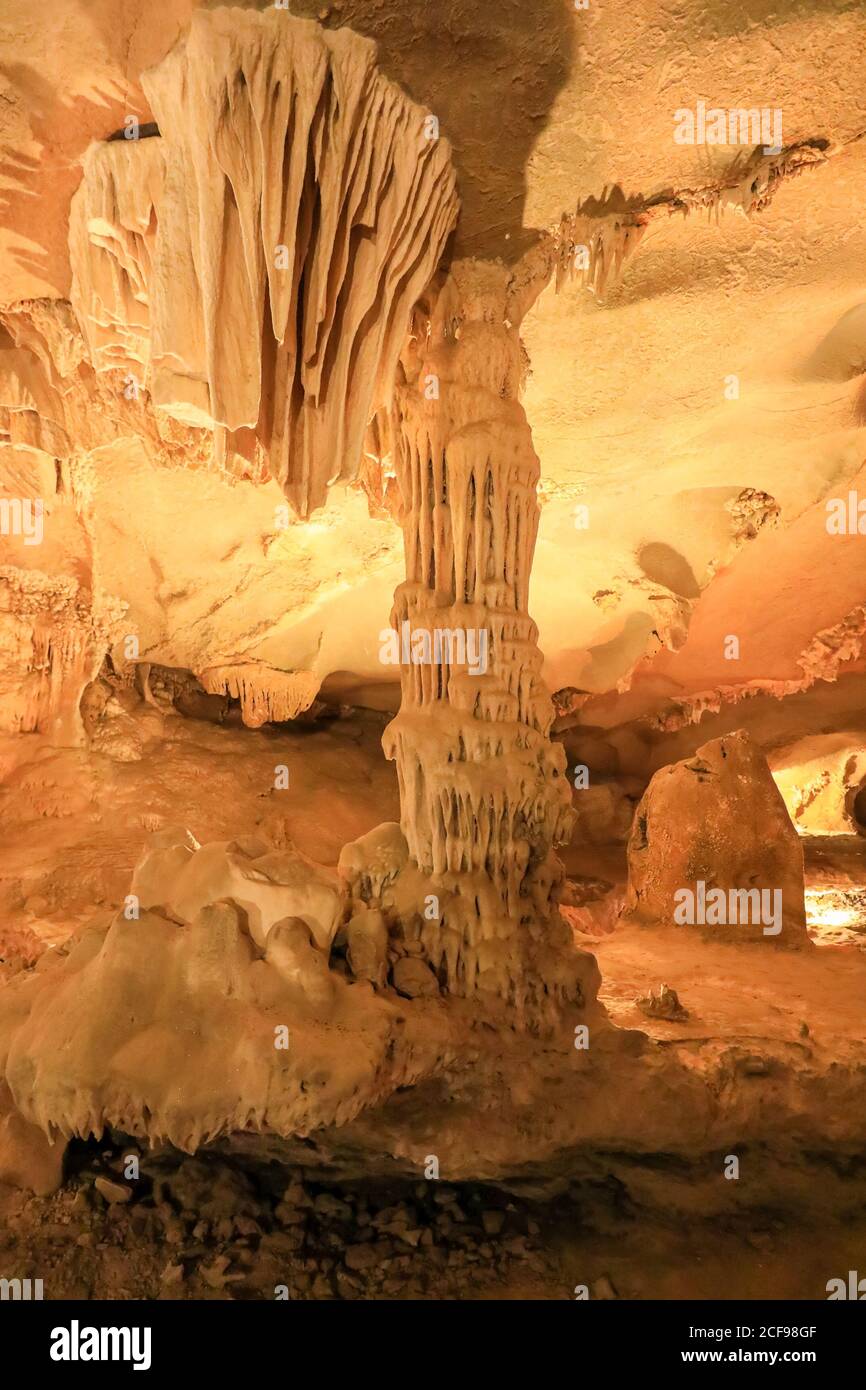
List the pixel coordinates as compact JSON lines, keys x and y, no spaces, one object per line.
{"x":27,"y":1157}
{"x":484,"y":797}
{"x":268,"y":885}
{"x":53,"y":401}
{"x":54,"y":639}
{"x":265,"y":695}
{"x":257,"y":290}
{"x":255,"y":264}
{"x":251,"y":270}
{"x":187,"y":1031}
{"x":822,"y":778}
{"x":713,"y":850}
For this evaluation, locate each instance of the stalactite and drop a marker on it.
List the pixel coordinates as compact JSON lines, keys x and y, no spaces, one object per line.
{"x":593,"y":247}
{"x":59,"y":638}
{"x":260,"y":259}
{"x":266,"y":695}
{"x":51,"y":398}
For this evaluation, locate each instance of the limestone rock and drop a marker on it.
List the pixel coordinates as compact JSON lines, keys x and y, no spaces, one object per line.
{"x":268,"y":885}
{"x":372,"y":862}
{"x":367,"y":946}
{"x":175,"y":1031}
{"x":822,"y":778}
{"x":258,"y":262}
{"x":293,"y":953}
{"x":113,"y":1192}
{"x":713,"y":849}
{"x":266,"y":695}
{"x":482,"y":791}
{"x":414,"y":978}
{"x":27,"y":1157}
{"x":663,"y":1003}
{"x":603,"y":812}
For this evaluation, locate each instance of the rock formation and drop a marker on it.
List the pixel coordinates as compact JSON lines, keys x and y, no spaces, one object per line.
{"x":265,"y":695}
{"x":822,"y":779}
{"x":267,"y":885}
{"x":264,"y":380}
{"x":712,"y":848}
{"x":276,"y":136}
{"x":483,"y":792}
{"x":254,"y":266}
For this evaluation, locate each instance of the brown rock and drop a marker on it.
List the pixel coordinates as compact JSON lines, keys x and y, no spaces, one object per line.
{"x":113,"y":1192}
{"x":332,"y":1208}
{"x":663,"y":1004}
{"x":712,"y":848}
{"x":214,"y":1275}
{"x":367,"y":939}
{"x":362,"y":1256}
{"x":27,"y":1159}
{"x":603,"y":1289}
{"x":492,"y":1221}
{"x":414,"y":978}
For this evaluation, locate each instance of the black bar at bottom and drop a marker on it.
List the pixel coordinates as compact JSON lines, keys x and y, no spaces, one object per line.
{"x":60,"y":1339}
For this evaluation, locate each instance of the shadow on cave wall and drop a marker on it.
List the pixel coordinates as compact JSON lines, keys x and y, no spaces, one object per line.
{"x":489,"y":71}
{"x":63,"y":107}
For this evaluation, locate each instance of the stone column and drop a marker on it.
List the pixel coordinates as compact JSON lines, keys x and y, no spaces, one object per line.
{"x":483,"y":791}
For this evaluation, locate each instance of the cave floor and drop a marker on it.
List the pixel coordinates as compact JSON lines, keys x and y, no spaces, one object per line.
{"x":751,"y":993}
{"x":205,"y":1229}
{"x":75,"y":824}
{"x":746,"y":991}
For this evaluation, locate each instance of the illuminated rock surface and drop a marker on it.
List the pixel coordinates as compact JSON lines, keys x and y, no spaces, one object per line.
{"x":712,"y":848}
{"x":395,"y":320}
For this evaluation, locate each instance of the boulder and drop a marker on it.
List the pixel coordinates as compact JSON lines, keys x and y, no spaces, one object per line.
{"x":712,"y":849}
{"x":414,"y":978}
{"x":367,"y":946}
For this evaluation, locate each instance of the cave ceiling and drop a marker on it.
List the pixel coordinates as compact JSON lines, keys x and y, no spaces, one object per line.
{"x":691,"y":415}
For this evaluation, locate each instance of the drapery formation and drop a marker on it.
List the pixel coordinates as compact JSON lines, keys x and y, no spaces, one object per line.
{"x":256,"y":264}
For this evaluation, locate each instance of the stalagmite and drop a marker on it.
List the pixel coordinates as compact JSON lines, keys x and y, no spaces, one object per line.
{"x":713,"y":850}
